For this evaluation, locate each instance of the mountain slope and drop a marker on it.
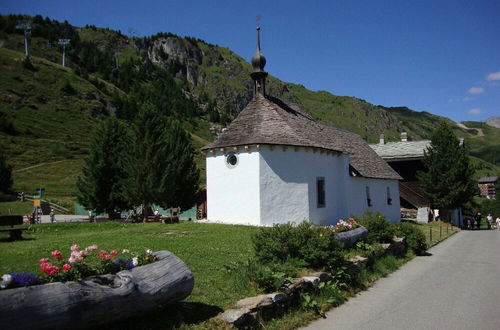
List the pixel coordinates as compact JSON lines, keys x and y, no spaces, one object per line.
{"x":47,"y":113}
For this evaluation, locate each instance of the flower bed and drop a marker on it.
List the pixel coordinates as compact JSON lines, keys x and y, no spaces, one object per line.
{"x":348,"y":232}
{"x":97,"y":299}
{"x":80,"y":264}
{"x":345,"y":225}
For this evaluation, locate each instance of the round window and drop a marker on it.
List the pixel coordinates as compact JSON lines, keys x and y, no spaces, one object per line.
{"x":231,"y":160}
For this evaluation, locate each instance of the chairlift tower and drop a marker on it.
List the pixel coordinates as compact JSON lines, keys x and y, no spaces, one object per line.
{"x":63,"y":43}
{"x":26,"y":26}
{"x":116,"y":58}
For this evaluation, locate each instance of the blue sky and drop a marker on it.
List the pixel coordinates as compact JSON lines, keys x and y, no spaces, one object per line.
{"x":440,"y":56}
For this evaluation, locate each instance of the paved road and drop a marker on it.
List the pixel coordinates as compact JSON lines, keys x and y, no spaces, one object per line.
{"x":458,"y":287}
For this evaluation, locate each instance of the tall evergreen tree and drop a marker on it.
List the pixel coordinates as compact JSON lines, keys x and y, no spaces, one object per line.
{"x":101,"y":185}
{"x":5,"y":175}
{"x":447,"y":179}
{"x":161,"y":168}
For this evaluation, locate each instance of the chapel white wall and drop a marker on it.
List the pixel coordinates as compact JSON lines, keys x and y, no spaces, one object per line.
{"x":288,"y":185}
{"x":233,"y":194}
{"x":357,"y":203}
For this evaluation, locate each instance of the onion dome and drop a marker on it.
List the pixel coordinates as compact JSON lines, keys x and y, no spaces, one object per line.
{"x":258,"y":60}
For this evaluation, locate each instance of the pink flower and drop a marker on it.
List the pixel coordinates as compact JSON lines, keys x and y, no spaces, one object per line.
{"x":43,"y":260}
{"x":91,"y":248}
{"x":66,"y":267}
{"x":75,"y":247}
{"x":56,"y":255}
{"x":71,"y":259}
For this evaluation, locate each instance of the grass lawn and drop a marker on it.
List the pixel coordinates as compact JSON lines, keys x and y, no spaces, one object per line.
{"x":206,"y":249}
{"x":17,"y":208}
{"x":436,"y":231}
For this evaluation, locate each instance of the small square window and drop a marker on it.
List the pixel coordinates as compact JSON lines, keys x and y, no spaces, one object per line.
{"x":320,"y":189}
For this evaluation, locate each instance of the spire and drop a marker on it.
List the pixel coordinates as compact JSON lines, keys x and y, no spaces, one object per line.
{"x":258,"y":64}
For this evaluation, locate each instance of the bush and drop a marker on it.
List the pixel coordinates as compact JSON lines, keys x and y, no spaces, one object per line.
{"x":379,"y":229}
{"x":315,"y":247}
{"x":68,"y":88}
{"x":414,"y":237}
{"x":28,"y":64}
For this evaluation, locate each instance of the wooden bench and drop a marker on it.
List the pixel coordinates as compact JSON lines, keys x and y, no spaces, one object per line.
{"x":12,"y":220}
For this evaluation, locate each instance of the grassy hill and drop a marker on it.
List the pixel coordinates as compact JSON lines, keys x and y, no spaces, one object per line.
{"x":47,"y":112}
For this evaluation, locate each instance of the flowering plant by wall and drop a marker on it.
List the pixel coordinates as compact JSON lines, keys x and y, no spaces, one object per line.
{"x":345,"y":225}
{"x":80,"y":264}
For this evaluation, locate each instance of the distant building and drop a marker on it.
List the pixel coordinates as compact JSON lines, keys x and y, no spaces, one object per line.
{"x":275,"y":164}
{"x":487,"y":186}
{"x":405,"y":157}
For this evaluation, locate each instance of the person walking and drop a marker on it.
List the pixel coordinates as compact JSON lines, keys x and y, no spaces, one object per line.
{"x":478,"y":220}
{"x":498,"y":222}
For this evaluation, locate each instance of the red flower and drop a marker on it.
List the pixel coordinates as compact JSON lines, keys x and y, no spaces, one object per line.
{"x":113,"y":253}
{"x":48,"y":268}
{"x":43,"y":261}
{"x":103,"y":255}
{"x":66,"y":267}
{"x":56,"y":255}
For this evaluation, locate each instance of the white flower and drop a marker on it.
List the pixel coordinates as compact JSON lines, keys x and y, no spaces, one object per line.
{"x":6,"y":280}
{"x":148,"y":251}
{"x":135,"y":261}
{"x":125,"y":251}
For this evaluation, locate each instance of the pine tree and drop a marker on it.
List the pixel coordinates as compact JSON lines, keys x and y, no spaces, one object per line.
{"x":101,"y":185}
{"x":447,"y":179}
{"x":5,"y":175}
{"x":161,"y":168}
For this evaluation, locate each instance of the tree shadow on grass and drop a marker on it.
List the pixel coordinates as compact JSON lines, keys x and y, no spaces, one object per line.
{"x":168,"y":317}
{"x":9,"y":240}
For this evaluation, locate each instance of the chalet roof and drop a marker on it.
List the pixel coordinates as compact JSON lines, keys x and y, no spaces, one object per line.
{"x":406,"y":150}
{"x":268,"y":120}
{"x":488,"y":179}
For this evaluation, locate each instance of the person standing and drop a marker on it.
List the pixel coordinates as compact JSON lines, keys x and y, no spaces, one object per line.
{"x":52,"y":216}
{"x":478,"y":220}
{"x":489,"y":218}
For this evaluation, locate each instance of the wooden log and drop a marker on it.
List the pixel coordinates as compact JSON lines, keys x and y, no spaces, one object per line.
{"x":98,"y":299}
{"x":349,"y":238}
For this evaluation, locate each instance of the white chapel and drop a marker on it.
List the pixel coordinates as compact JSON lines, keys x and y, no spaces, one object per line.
{"x":275,"y":164}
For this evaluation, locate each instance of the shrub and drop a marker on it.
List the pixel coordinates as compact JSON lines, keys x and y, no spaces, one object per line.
{"x":314,"y":246}
{"x":28,"y":64}
{"x":414,"y":237}
{"x":68,"y":88}
{"x":379,"y":229}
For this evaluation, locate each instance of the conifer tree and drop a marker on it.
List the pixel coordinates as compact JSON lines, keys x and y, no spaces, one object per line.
{"x":161,"y":168}
{"x":101,"y":185}
{"x":5,"y":175}
{"x":447,"y":179}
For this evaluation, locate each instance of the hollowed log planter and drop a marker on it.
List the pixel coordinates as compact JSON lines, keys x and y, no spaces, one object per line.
{"x":98,"y":299}
{"x":349,"y":238}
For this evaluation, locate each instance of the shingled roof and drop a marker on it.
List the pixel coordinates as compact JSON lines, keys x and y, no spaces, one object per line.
{"x":268,"y":120}
{"x":407,"y":150}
